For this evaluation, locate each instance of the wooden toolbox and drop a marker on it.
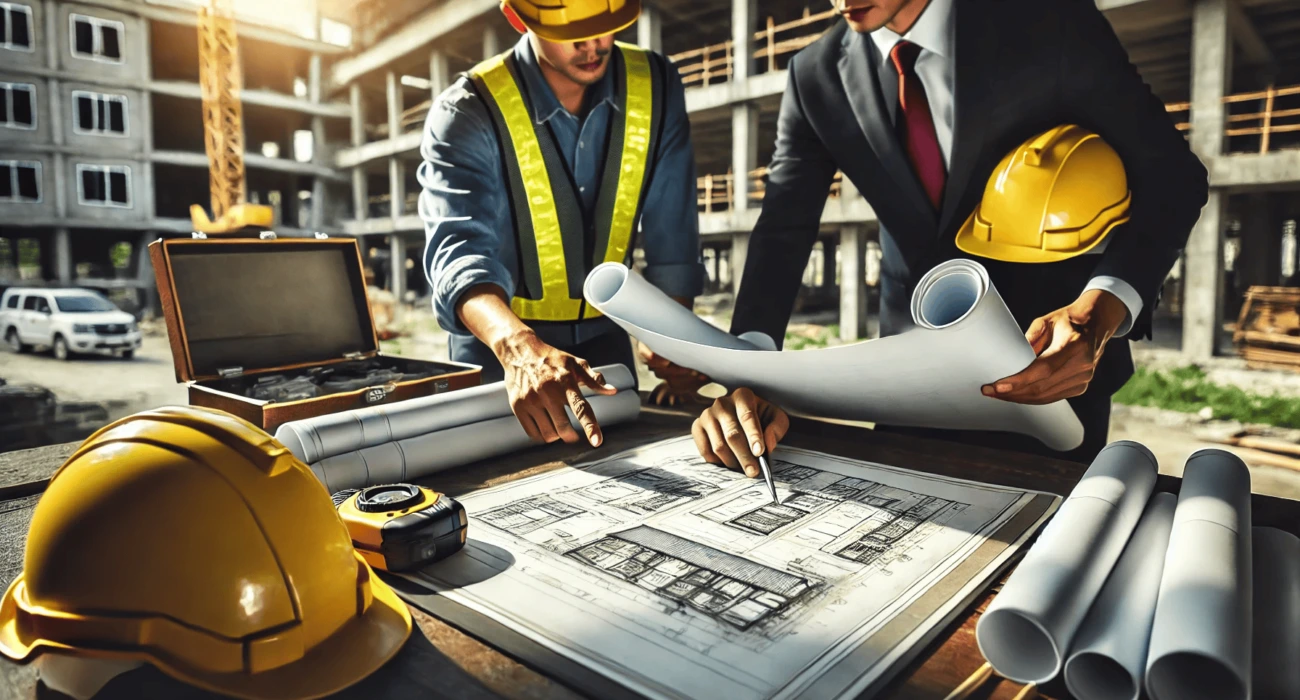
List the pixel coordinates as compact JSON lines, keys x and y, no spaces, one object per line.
{"x":279,"y":330}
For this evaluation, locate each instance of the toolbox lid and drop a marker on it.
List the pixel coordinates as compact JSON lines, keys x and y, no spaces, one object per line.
{"x":248,"y":305}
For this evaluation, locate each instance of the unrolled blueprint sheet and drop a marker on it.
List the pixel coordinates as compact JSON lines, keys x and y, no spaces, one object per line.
{"x":680,"y":579}
{"x":929,"y":376}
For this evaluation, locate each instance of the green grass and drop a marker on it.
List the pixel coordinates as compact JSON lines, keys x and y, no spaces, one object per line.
{"x":1186,"y":389}
{"x":798,"y":341}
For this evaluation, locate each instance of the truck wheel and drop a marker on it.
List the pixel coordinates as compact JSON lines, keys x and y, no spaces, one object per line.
{"x":15,"y":343}
{"x":61,"y":351}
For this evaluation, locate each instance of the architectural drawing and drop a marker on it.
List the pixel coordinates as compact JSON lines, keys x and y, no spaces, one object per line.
{"x":654,"y":559}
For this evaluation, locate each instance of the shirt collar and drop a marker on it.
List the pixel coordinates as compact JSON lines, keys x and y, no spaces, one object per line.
{"x":544,"y":102}
{"x":932,"y":31}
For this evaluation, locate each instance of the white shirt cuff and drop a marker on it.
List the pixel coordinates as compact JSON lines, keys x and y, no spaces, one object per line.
{"x":1132,"y":300}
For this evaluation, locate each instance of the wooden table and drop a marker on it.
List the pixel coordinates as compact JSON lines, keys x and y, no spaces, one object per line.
{"x":444,"y":662}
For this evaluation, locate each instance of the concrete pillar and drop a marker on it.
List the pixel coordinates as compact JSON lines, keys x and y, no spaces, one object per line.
{"x":853,"y":285}
{"x":491,"y":42}
{"x":739,"y":252}
{"x":397,"y":259}
{"x":317,"y":220}
{"x":360,"y":195}
{"x":439,"y":73}
{"x":649,"y":28}
{"x":1203,"y":281}
{"x":1211,"y":80}
{"x":396,"y":168}
{"x":62,"y":256}
{"x":744,"y":152}
{"x":1261,"y":231}
{"x":828,"y":263}
{"x":744,"y":18}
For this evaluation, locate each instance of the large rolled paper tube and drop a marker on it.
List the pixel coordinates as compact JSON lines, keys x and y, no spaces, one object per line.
{"x":418,"y":457}
{"x":1275,"y":650}
{"x":321,"y":437}
{"x":1029,"y":626}
{"x":1110,"y":652}
{"x":1200,"y":639}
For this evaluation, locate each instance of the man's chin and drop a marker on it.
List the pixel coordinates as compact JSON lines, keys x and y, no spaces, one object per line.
{"x":866,"y":20}
{"x":583,"y":77}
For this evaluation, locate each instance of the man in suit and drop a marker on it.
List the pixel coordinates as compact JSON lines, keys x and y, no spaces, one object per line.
{"x":916,"y":102}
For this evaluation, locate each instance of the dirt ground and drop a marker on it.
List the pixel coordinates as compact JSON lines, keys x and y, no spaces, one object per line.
{"x":148,"y":381}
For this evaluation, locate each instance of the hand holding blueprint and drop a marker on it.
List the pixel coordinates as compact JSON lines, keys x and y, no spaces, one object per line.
{"x":927,"y":377}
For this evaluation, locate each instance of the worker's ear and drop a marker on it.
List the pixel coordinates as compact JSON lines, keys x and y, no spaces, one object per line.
{"x":513,"y":18}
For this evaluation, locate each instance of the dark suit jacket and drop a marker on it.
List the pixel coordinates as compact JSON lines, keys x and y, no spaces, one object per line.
{"x":1022,"y":67}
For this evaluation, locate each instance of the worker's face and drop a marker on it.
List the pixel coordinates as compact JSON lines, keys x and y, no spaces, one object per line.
{"x":870,"y":15}
{"x":583,"y":62}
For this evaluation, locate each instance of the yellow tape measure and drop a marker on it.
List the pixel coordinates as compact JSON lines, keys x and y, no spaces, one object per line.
{"x":400,"y":527}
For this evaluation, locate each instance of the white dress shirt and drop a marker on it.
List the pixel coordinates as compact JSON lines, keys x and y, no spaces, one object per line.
{"x":936,"y":67}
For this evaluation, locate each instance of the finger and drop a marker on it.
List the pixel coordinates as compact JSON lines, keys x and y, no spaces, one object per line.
{"x":702,"y":442}
{"x":716,"y":441}
{"x":1037,"y":335}
{"x":527,"y":423}
{"x":658,"y":394}
{"x":777,"y":426}
{"x":750,"y":422}
{"x":556,"y":400}
{"x":1062,"y":334}
{"x":1037,"y":371}
{"x":586,"y":417}
{"x":593,"y":379}
{"x":1061,"y":371}
{"x":545,"y":426}
{"x":736,"y":440}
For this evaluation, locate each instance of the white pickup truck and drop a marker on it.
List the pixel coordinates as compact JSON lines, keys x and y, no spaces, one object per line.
{"x":68,"y":321}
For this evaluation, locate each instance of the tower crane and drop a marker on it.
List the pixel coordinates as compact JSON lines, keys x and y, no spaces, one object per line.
{"x":223,"y":127}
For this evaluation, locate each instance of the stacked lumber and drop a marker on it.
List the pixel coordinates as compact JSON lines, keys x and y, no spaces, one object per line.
{"x":1268,"y":328}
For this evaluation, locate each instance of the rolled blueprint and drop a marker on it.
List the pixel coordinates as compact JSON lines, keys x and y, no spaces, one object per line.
{"x":1276,"y":647}
{"x":321,"y":437}
{"x":422,"y":455}
{"x":1109,"y":654}
{"x":1028,"y":627}
{"x":1200,"y":639}
{"x":929,"y":376}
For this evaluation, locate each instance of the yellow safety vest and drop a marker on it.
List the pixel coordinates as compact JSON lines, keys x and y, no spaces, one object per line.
{"x":558,"y":243}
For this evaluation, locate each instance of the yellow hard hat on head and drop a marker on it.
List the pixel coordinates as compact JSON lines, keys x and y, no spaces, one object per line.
{"x":1056,"y":196}
{"x":573,"y":20}
{"x":191,"y":540}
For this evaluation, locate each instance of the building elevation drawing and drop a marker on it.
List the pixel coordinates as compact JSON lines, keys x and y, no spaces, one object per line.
{"x":653,"y":559}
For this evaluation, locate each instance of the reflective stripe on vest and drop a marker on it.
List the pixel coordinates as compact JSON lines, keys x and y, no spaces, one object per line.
{"x":557,"y":244}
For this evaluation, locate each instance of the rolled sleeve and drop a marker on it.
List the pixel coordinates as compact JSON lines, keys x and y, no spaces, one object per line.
{"x":670,"y":225}
{"x":462,"y":204}
{"x":1126,"y":293}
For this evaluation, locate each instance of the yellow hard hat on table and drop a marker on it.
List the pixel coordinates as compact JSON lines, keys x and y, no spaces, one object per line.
{"x":1056,"y":196}
{"x":571,"y":20}
{"x":191,"y":540}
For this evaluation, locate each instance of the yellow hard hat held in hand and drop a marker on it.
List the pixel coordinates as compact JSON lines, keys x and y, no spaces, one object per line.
{"x":191,"y":540}
{"x":1056,"y":196}
{"x":571,"y":20}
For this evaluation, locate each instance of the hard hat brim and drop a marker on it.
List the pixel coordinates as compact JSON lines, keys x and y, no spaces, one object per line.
{"x":353,"y":652}
{"x":589,"y":28}
{"x":968,"y":243}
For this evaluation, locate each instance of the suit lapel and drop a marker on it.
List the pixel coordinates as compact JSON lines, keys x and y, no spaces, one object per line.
{"x":976,"y":59}
{"x":862,"y":86}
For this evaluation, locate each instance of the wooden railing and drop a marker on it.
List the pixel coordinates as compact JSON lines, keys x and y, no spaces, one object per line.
{"x":713,"y":63}
{"x":1279,"y":114}
{"x":717,"y":192}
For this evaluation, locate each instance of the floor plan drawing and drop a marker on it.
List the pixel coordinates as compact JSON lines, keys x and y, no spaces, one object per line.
{"x":653,"y":559}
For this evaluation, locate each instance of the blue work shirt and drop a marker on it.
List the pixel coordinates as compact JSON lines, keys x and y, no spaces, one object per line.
{"x":469,"y":231}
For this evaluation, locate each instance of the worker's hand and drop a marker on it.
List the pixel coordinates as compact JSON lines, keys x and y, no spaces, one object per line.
{"x":680,"y":385}
{"x":1068,"y":342}
{"x":541,"y":381}
{"x":737,"y":428}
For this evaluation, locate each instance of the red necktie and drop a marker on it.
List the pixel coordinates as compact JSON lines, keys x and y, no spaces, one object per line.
{"x":922,"y":142}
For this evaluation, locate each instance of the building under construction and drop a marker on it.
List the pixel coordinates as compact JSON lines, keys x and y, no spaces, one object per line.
{"x":102,"y":138}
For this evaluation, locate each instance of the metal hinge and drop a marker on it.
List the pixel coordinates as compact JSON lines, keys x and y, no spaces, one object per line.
{"x":267,"y":235}
{"x":353,"y":355}
{"x":198,"y":235}
{"x":321,"y":236}
{"x":230,"y":371}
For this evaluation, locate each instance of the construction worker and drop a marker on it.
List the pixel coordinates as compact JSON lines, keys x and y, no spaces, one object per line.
{"x":190,"y":540}
{"x":564,"y":152}
{"x":916,"y":102}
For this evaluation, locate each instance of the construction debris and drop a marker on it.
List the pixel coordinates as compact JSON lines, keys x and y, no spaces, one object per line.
{"x":1268,"y":328}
